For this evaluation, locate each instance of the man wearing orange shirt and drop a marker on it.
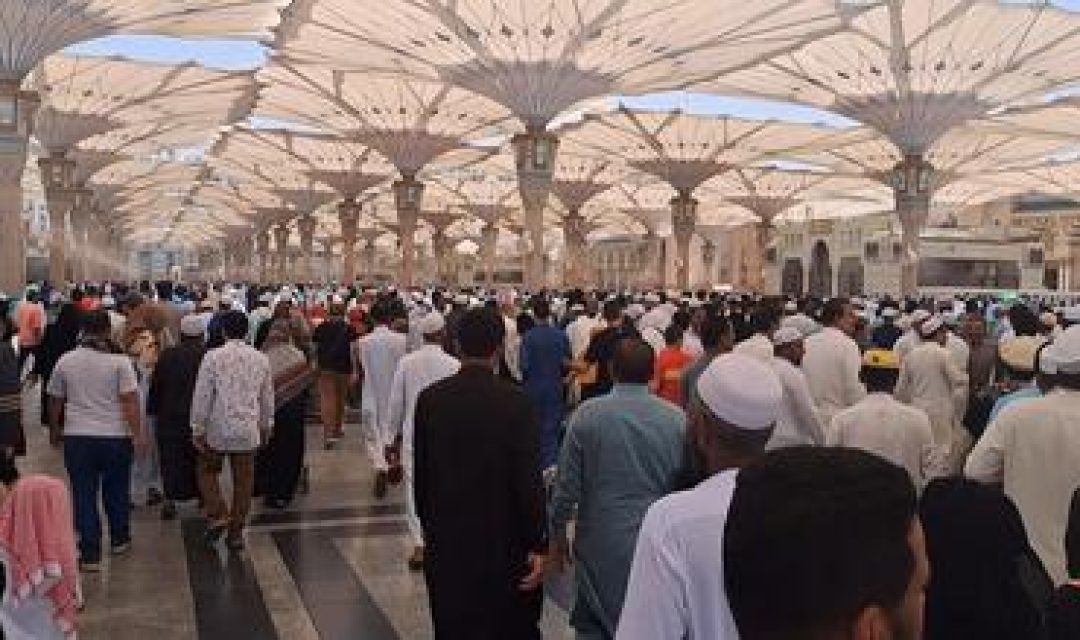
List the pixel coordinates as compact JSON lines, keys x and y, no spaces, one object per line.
{"x":670,"y":363}
{"x":30,"y":318}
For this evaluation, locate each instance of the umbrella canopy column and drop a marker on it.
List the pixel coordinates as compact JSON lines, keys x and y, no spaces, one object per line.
{"x":17,"y":110}
{"x":349,"y":217}
{"x":83,"y":240}
{"x":281,"y":249}
{"x":262,"y":247}
{"x":371,"y":254}
{"x":575,"y":228}
{"x":57,"y":176}
{"x":305,"y":225}
{"x":489,"y":237}
{"x":408,"y":195}
{"x":708,"y":258}
{"x":535,"y":159}
{"x":912,"y":186}
{"x":683,"y":220}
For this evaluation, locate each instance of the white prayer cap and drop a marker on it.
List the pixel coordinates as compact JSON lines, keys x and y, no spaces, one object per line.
{"x":920,"y":315}
{"x":461,"y":299}
{"x":805,"y":324}
{"x":657,"y":319}
{"x":931,"y":326}
{"x":1065,"y":352}
{"x":651,"y":298}
{"x":1071,"y":314}
{"x":432,"y":323}
{"x":890,"y":312}
{"x":786,"y":335}
{"x":108,"y":302}
{"x":724,"y":390}
{"x":577,"y":307}
{"x":1019,"y":353}
{"x":790,"y":307}
{"x":635,"y":311}
{"x":192,"y":325}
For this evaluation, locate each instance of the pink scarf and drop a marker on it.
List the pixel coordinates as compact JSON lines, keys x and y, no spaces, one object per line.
{"x":37,"y":538}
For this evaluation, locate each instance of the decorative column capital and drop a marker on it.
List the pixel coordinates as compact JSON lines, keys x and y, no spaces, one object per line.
{"x":306,"y":225}
{"x":58,"y":176}
{"x":683,"y":216}
{"x":349,"y":217}
{"x":18,"y":109}
{"x":408,"y":196}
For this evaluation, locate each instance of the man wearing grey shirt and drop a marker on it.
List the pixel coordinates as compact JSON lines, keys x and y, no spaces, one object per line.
{"x":94,"y":412}
{"x":231,"y":415}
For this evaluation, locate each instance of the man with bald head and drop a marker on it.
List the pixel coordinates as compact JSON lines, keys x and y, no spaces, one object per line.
{"x":622,"y":452}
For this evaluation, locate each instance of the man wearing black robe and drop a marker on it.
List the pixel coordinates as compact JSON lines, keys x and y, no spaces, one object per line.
{"x":479,"y":496}
{"x":172,"y":385}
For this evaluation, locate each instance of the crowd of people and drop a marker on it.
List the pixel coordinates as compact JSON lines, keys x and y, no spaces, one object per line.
{"x":710,"y":465}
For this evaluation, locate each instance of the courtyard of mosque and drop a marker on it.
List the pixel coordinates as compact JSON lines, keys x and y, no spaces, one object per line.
{"x":710,"y":157}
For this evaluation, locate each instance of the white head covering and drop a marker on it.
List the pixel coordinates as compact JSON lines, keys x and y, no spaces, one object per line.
{"x":431,"y":323}
{"x":930,"y":326}
{"x":1071,"y":314}
{"x":920,"y":315}
{"x":786,"y":335}
{"x":724,"y":390}
{"x":890,"y":312}
{"x":657,"y":318}
{"x":192,"y":325}
{"x":1065,"y":352}
{"x":635,"y":311}
{"x":790,"y":307}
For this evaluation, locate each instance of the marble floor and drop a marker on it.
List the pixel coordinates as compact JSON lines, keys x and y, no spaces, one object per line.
{"x":332,"y":567}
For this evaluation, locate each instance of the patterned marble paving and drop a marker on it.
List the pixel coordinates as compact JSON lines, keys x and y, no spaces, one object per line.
{"x":330,"y":568}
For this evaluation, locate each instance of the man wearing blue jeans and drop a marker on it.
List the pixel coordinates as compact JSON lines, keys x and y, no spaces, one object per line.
{"x":94,"y":411}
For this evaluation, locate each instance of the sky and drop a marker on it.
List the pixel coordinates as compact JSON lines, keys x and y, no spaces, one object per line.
{"x":239,"y":54}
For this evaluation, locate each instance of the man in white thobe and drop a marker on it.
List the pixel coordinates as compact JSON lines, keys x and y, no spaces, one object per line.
{"x":416,"y":372}
{"x":931,"y":380}
{"x":1033,"y":447}
{"x":379,"y":353}
{"x":580,"y":332}
{"x":798,"y":423}
{"x":911,"y":339}
{"x":832,"y":361}
{"x":676,"y":587}
{"x":879,"y":424}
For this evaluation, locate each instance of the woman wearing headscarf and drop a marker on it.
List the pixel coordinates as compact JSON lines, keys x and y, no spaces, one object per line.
{"x":12,"y":439}
{"x":278,"y":465}
{"x":37,"y":547}
{"x":60,"y":337}
{"x":987,"y":582}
